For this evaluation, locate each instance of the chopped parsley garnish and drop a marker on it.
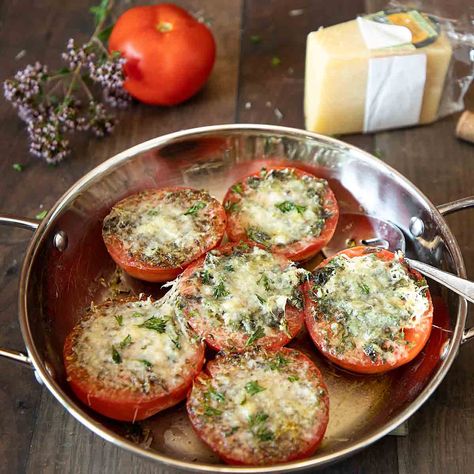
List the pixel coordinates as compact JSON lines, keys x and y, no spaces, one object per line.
{"x":293,"y":378}
{"x":146,"y":363}
{"x":126,"y":342}
{"x":153,"y":212}
{"x":231,"y":431}
{"x":276,"y":61}
{"x":195,"y":208}
{"x":215,"y":395}
{"x":116,"y":357}
{"x":206,"y":277}
{"x":278,"y":362}
{"x":253,"y":387}
{"x":255,"y":39}
{"x":136,"y":314}
{"x":257,"y":334}
{"x":262,"y":300}
{"x":237,"y":188}
{"x":264,"y":280}
{"x":365,"y":289}
{"x":18,"y":167}
{"x":210,"y":411}
{"x":41,"y":215}
{"x":119,"y":319}
{"x":264,"y":434}
{"x":220,"y":291}
{"x":258,"y":236}
{"x":287,"y":206}
{"x":257,"y":419}
{"x":231,"y":206}
{"x":155,"y":324}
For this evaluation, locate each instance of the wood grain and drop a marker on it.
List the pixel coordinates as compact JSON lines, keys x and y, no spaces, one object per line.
{"x":36,"y":434}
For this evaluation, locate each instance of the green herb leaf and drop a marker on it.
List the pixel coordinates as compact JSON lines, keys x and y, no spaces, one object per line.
{"x":126,"y":342}
{"x":237,"y":188}
{"x":116,"y":357}
{"x":258,"y":236}
{"x":293,"y":378}
{"x":195,"y":208}
{"x":276,"y":61}
{"x":146,"y":363}
{"x":215,"y":395}
{"x":210,"y":411}
{"x":230,"y":206}
{"x":257,"y":419}
{"x":231,"y":431}
{"x":155,"y":324}
{"x":259,"y":298}
{"x":104,"y":35}
{"x":263,"y":280}
{"x":255,"y":39}
{"x":257,"y":334}
{"x":220,"y":291}
{"x":287,"y":206}
{"x":41,"y":215}
{"x":264,"y":434}
{"x":136,"y":314}
{"x":378,"y":153}
{"x":253,"y":388}
{"x":278,"y":362}
{"x":119,"y":319}
{"x":62,"y":72}
{"x":100,"y":11}
{"x":18,"y":167}
{"x":206,"y":277}
{"x":364,"y":288}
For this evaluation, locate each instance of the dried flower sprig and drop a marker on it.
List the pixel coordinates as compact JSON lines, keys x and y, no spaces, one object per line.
{"x":55,"y":105}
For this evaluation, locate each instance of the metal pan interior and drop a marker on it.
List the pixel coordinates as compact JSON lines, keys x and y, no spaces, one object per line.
{"x":58,"y":284}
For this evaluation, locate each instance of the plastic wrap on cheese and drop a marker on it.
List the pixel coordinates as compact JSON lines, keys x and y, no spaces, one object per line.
{"x":366,"y":75}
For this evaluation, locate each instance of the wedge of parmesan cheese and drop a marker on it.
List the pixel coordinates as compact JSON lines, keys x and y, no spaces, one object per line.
{"x":338,"y":62}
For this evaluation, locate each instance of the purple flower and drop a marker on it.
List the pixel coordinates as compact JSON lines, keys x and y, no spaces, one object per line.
{"x":25,"y":85}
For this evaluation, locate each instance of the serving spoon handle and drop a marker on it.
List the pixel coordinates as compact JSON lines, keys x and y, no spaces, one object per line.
{"x":462,"y":287}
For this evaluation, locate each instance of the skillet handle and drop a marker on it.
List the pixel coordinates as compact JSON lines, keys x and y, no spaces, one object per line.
{"x":450,"y":208}
{"x":11,"y":220}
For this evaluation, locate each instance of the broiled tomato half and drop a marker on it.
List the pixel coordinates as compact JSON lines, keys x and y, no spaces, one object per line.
{"x":155,"y":234}
{"x":240,"y":296}
{"x":367,"y":310}
{"x":132,"y":358}
{"x":287,"y":210}
{"x":260,"y":408}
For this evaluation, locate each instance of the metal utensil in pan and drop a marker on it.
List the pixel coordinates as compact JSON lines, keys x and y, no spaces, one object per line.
{"x":360,"y":229}
{"x":66,"y":265}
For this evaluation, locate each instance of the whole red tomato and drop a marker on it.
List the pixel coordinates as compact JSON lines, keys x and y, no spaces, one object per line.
{"x":169,"y":53}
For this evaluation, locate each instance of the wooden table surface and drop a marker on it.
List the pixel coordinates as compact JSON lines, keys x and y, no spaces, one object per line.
{"x":36,"y":434}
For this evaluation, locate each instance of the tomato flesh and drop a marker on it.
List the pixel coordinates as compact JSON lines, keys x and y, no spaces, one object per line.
{"x":416,"y":338}
{"x":300,"y":250}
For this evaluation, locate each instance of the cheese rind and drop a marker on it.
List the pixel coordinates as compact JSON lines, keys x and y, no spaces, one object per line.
{"x":336,"y":77}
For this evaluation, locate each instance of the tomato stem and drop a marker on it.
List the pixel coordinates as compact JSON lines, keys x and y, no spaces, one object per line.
{"x":164,"y":26}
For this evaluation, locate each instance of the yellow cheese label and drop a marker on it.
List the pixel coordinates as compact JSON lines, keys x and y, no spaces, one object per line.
{"x":424,"y":28}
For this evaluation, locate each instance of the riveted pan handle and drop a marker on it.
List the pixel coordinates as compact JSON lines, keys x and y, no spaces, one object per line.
{"x":23,"y":223}
{"x":450,"y":208}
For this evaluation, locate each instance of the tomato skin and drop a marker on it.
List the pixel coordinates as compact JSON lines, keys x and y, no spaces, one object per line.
{"x":231,"y":457}
{"x":418,"y":336}
{"x":219,"y":340}
{"x":121,"y":404}
{"x":144,"y":271}
{"x":169,"y":53}
{"x":298,"y":251}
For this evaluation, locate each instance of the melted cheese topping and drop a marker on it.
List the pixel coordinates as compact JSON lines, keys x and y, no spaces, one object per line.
{"x":246,"y":291}
{"x":163,"y":228}
{"x":281,"y":208}
{"x":369,"y":303}
{"x":268,"y":404}
{"x":135,"y":345}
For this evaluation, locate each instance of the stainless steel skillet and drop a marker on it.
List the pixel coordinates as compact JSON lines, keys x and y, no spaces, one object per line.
{"x":66,"y":266}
